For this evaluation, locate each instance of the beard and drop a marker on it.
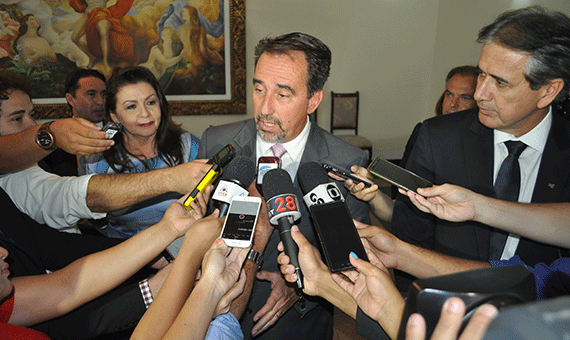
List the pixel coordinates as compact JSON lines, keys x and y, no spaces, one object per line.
{"x":270,"y":137}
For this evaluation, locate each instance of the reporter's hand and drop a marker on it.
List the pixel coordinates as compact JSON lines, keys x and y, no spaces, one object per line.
{"x":383,"y":244}
{"x":448,"y":202}
{"x":220,"y":271}
{"x":371,"y":286}
{"x":79,"y":136}
{"x":310,"y":262}
{"x":226,"y":301}
{"x":181,"y":218}
{"x":450,"y":320}
{"x":359,"y":190}
{"x":186,"y":176}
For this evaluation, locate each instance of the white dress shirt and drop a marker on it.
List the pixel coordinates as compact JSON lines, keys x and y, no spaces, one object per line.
{"x":529,"y":162}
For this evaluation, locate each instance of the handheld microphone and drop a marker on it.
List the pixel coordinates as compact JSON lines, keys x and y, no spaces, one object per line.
{"x":317,"y":185}
{"x":283,"y":210}
{"x":237,"y":176}
{"x":220,"y":159}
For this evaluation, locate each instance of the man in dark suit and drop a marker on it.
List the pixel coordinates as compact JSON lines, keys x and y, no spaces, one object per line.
{"x":289,"y":76}
{"x":524,"y":71}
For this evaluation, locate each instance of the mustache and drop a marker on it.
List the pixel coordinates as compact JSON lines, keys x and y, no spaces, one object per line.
{"x":269,"y":119}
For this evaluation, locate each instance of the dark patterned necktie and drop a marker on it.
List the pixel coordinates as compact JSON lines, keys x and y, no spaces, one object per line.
{"x":507,"y":187}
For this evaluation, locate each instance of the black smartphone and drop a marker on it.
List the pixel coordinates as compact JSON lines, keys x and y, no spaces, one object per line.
{"x":224,"y":156}
{"x":397,"y":176}
{"x":337,"y":234}
{"x":344,"y":173}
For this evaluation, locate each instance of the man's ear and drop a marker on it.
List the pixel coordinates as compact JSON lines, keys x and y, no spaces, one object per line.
{"x":69,"y":98}
{"x":551,"y":90}
{"x":314,"y":101}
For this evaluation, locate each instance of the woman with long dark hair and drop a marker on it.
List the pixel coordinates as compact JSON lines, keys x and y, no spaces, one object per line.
{"x":149,"y":140}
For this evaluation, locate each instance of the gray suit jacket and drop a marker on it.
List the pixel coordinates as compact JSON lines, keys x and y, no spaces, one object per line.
{"x":297,"y":323}
{"x":458,"y":149}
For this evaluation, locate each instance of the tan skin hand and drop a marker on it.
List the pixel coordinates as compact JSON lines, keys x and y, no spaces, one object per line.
{"x":358,"y":190}
{"x":450,"y":321}
{"x":80,"y":137}
{"x":309,"y":259}
{"x":180,"y":218}
{"x":282,"y":298}
{"x":383,"y":243}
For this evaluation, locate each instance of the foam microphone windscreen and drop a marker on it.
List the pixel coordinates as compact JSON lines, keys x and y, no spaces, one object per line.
{"x":241,"y":169}
{"x":310,"y":175}
{"x":276,"y":182}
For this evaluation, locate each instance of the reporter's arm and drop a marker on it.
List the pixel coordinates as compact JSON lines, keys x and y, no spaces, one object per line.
{"x":454,"y":203}
{"x":117,"y":191}
{"x":423,"y":263}
{"x":397,"y":254}
{"x":180,"y":281}
{"x":219,"y":275}
{"x":43,"y":297}
{"x":76,"y":136}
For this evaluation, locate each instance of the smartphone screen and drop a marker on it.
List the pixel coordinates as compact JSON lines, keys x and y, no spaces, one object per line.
{"x":240,"y":222}
{"x":264,"y":164}
{"x":397,"y":176}
{"x":337,"y":234}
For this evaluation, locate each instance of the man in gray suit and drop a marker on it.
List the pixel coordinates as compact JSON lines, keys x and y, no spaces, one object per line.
{"x":290,"y":72}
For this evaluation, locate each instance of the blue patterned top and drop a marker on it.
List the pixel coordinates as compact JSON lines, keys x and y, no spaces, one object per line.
{"x":129,"y":221}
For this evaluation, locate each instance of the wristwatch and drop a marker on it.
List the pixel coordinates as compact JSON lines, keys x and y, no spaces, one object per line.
{"x":45,"y":138}
{"x":256,"y":257}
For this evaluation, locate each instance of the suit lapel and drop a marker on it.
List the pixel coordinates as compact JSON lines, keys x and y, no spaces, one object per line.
{"x":479,"y":152}
{"x":316,"y":148}
{"x":244,"y":141}
{"x":554,"y":168}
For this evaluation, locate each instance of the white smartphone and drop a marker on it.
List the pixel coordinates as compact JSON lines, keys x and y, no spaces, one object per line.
{"x":240,"y":222}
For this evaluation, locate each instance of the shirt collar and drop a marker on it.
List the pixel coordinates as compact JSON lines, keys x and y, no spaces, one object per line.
{"x":535,"y":138}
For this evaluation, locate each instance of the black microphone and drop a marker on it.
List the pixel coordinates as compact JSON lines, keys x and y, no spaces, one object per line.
{"x":283,"y":210}
{"x":237,"y":176}
{"x":317,"y":186}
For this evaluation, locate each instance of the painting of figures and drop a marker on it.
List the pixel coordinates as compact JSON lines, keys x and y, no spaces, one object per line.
{"x":185,"y":44}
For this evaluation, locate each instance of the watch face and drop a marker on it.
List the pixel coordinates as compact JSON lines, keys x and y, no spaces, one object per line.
{"x":45,"y":139}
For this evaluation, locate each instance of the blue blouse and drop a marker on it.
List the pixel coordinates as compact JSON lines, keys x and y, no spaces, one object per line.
{"x":129,"y":221}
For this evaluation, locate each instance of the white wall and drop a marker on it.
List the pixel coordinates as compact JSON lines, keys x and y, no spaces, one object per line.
{"x":395,"y":52}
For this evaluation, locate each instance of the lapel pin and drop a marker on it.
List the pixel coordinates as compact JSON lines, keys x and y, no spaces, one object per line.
{"x":551,"y":185}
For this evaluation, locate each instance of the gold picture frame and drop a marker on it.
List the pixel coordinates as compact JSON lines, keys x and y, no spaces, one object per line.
{"x":233,"y":101}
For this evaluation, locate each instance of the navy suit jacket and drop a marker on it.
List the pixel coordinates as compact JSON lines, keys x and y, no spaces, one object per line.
{"x":321,"y":145}
{"x":458,"y":149}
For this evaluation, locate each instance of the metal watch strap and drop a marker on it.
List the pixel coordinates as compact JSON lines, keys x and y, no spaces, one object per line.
{"x":256,"y":257}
